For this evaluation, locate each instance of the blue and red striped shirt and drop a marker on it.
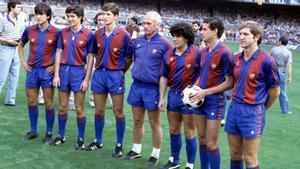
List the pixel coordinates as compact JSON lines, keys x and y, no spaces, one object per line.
{"x":113,"y":50}
{"x":253,"y":78}
{"x":42,"y":45}
{"x":214,"y":65}
{"x":76,"y":46}
{"x":183,"y":70}
{"x":148,"y":58}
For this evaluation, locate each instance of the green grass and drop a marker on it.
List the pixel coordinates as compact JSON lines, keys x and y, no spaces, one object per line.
{"x":279,"y":147}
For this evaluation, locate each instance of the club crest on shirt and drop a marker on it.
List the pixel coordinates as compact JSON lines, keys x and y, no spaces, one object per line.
{"x":237,"y":63}
{"x":98,"y":45}
{"x":81,"y":42}
{"x":50,"y":41}
{"x":32,"y":40}
{"x":65,"y":41}
{"x":154,"y":51}
{"x":171,"y":59}
{"x":251,"y":76}
{"x":188,"y":66}
{"x":213,"y":66}
{"x":115,"y":49}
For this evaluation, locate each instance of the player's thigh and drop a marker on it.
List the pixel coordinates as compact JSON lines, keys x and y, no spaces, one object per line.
{"x":79,"y":99}
{"x":251,"y":146}
{"x":189,"y":125}
{"x":63,"y":98}
{"x":100,"y":101}
{"x":236,"y":146}
{"x":175,"y":122}
{"x":200,"y":121}
{"x":48,"y":94}
{"x":32,"y":95}
{"x":138,"y":115}
{"x":118,"y":101}
{"x":213,"y":130}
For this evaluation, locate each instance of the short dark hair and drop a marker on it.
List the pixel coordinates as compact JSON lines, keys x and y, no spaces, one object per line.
{"x":96,"y":17}
{"x":134,"y":19}
{"x":77,"y":10}
{"x":183,"y":29}
{"x":114,"y":8}
{"x":283,"y":40}
{"x":255,"y":29}
{"x":197,"y":23}
{"x":43,"y":8}
{"x":215,"y":23}
{"x":12,"y":4}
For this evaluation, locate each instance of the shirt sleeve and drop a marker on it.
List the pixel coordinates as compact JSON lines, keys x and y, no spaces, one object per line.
{"x":90,"y":43}
{"x":164,"y":71}
{"x":60,"y":43}
{"x":226,"y":57}
{"x":25,"y":36}
{"x":128,"y":46}
{"x":271,"y":75}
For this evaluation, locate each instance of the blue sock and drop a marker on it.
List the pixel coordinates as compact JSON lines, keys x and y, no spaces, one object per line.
{"x":33,"y":113}
{"x":191,"y":150}
{"x":50,"y":116}
{"x":62,"y":121}
{"x":203,"y":156}
{"x":120,"y":129}
{"x":214,"y":158}
{"x":99,"y":124}
{"x":257,"y":167}
{"x":236,"y":164}
{"x":176,"y":143}
{"x":81,"y":121}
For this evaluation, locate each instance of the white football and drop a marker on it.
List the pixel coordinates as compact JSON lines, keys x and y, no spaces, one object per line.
{"x":190,"y":90}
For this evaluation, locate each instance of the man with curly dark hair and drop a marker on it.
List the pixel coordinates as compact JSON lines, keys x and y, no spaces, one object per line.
{"x":180,"y":68}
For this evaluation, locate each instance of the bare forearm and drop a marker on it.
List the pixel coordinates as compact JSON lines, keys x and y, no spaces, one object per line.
{"x":21,"y":53}
{"x":57,"y":62}
{"x":289,"y":70}
{"x":162,"y":87}
{"x":89,"y":66}
{"x":273,"y":94}
{"x":226,"y":85}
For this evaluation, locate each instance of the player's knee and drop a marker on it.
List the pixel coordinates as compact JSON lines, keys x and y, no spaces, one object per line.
{"x":79,"y":110}
{"x":250,"y":158}
{"x":155,"y":124}
{"x":189,"y":134}
{"x":99,"y":111}
{"x":138,"y":122}
{"x":174,"y":130}
{"x":212,"y":144}
{"x":63,"y":108}
{"x":32,"y":102}
{"x":49,"y":104}
{"x":236,"y":154}
{"x":118,"y":112}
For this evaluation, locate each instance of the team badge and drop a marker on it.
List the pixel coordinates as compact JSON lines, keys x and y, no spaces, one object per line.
{"x":213,"y":66}
{"x":171,"y":59}
{"x":188,"y":66}
{"x":50,"y":41}
{"x":138,"y":45}
{"x":81,"y":42}
{"x":65,"y":41}
{"x":154,"y":51}
{"x":115,"y":49}
{"x":32,"y":39}
{"x":98,"y":45}
{"x":237,"y":63}
{"x":251,"y":76}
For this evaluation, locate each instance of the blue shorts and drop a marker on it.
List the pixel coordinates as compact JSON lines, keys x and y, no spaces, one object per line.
{"x":39,"y":77}
{"x":108,"y":81}
{"x":144,"y":95}
{"x":71,"y":78}
{"x":175,"y":104}
{"x":247,"y":121}
{"x":213,"y":107}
